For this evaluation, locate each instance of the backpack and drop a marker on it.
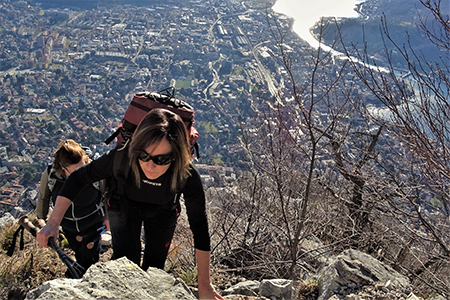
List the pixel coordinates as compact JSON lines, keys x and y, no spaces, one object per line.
{"x":139,"y":106}
{"x":144,"y":102}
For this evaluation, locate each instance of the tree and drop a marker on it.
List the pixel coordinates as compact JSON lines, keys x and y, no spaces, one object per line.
{"x":287,"y":145}
{"x":414,"y":109}
{"x":324,"y":161}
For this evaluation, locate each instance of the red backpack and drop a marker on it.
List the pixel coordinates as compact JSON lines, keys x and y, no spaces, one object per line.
{"x":144,"y":102}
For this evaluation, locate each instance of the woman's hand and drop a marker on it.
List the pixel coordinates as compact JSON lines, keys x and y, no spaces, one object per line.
{"x":207,"y":292}
{"x":45,"y":233}
{"x":205,"y":289}
{"x":52,"y":227}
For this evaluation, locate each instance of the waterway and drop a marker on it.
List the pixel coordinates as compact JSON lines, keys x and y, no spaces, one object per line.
{"x":306,"y":13}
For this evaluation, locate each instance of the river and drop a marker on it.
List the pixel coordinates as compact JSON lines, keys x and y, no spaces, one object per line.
{"x":306,"y":13}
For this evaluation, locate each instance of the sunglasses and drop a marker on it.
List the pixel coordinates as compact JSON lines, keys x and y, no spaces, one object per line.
{"x":160,"y":160}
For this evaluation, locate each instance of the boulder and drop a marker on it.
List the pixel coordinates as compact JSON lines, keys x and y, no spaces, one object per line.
{"x":278,"y":288}
{"x":315,"y":253}
{"x":352,"y":270}
{"x":116,"y":279}
{"x":246,"y":288}
{"x":6,"y":219}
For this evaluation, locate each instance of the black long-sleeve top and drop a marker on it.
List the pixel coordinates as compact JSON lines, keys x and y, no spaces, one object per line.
{"x":78,"y":217}
{"x":155,"y":193}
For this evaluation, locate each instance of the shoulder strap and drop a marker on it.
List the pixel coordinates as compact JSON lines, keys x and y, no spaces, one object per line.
{"x":176,"y":199}
{"x":88,"y":151}
{"x":51,"y":180}
{"x":102,"y":186}
{"x":121,"y":167}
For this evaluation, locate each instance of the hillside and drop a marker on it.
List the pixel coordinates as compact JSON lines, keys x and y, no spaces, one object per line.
{"x":402,"y":19}
{"x":297,"y":145}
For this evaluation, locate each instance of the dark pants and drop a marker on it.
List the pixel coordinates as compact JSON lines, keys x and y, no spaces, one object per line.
{"x":83,"y":255}
{"x":126,"y":226}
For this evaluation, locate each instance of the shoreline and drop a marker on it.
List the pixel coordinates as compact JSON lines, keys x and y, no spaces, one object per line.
{"x":304,"y":22}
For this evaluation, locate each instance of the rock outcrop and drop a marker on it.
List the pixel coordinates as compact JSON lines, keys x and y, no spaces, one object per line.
{"x":352,"y":275}
{"x":116,"y":279}
{"x":352,"y":270}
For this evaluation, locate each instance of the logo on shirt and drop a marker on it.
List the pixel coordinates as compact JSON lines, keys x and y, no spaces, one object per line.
{"x":152,"y":183}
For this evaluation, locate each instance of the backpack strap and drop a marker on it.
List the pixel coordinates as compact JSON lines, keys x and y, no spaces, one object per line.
{"x":195,"y":149}
{"x":176,"y":199}
{"x":87,"y":151}
{"x":102,"y":186}
{"x":13,"y":244}
{"x":121,"y":167}
{"x":113,"y":136}
{"x":51,"y":181}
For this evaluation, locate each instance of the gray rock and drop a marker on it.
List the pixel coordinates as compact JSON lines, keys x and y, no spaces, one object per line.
{"x":412,"y":297}
{"x":439,"y":297}
{"x":246,"y":288}
{"x":6,"y":219}
{"x":353,"y":266}
{"x":279,"y":288}
{"x":116,"y":279}
{"x":315,"y":252}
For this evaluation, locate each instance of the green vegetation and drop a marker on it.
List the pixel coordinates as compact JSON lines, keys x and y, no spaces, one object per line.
{"x":183,"y":84}
{"x":308,"y":289}
{"x":27,"y":268}
{"x":189,"y":277}
{"x":208,"y":127}
{"x":56,"y":66}
{"x":31,"y":172}
{"x":218,"y":161}
{"x":436,"y":203}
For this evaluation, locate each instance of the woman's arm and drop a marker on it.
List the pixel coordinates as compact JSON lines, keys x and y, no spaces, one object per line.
{"x":96,"y":170}
{"x":194,"y":199}
{"x":205,"y":289}
{"x":52,"y":226}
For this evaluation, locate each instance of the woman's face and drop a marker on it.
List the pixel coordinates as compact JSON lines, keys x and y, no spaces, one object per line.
{"x":151,"y":170}
{"x":70,"y":168}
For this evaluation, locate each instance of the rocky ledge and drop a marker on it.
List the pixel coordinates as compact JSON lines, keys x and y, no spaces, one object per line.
{"x":352,"y":275}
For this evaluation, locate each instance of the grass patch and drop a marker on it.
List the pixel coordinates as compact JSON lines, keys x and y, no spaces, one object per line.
{"x":28,"y":268}
{"x":308,"y":289}
{"x":185,"y":84}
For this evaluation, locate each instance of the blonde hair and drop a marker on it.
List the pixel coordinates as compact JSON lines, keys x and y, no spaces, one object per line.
{"x":154,"y":127}
{"x":68,"y":153}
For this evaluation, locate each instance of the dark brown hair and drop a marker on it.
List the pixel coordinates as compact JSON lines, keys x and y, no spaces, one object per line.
{"x":68,"y":153}
{"x":154,"y":127}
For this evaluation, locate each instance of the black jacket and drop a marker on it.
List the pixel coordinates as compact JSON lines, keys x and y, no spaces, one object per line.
{"x":85,"y":212}
{"x":154,"y":195}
